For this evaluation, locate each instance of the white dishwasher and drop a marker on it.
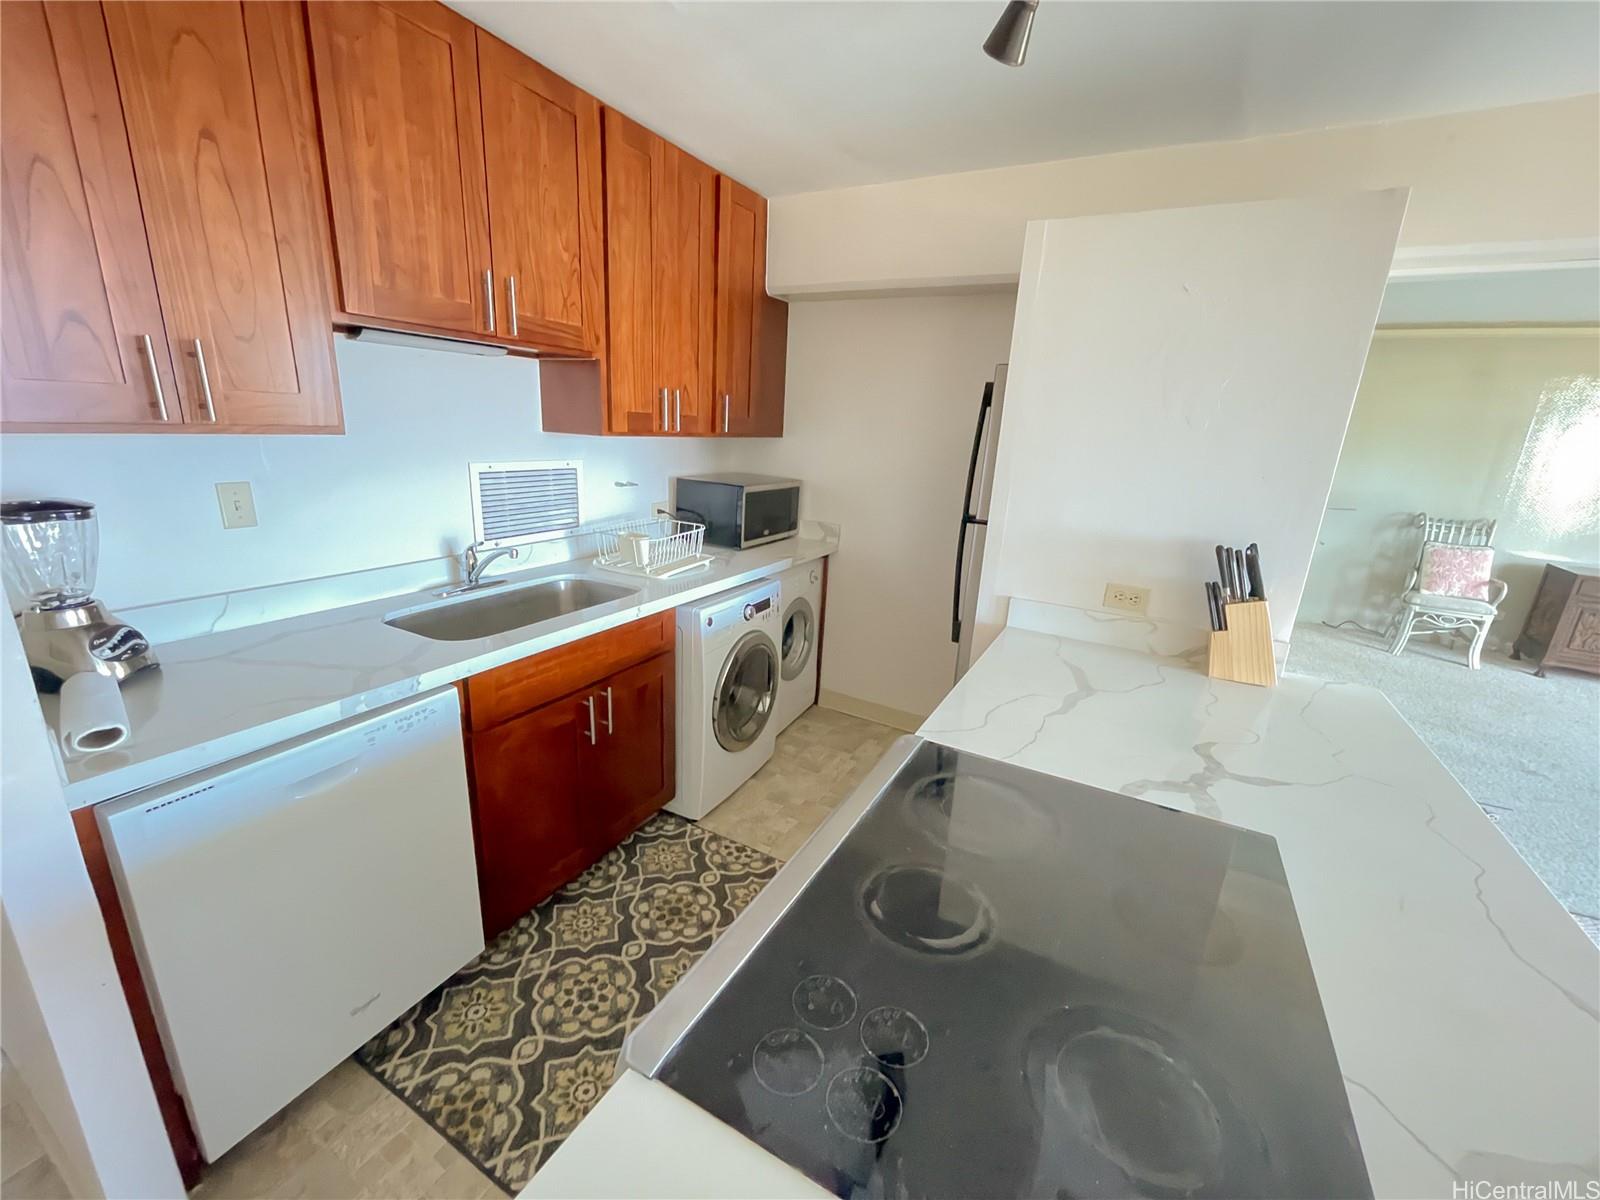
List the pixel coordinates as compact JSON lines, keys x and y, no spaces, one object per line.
{"x":288,"y":905}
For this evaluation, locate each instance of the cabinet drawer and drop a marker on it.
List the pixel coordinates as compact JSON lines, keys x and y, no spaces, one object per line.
{"x":504,"y":692}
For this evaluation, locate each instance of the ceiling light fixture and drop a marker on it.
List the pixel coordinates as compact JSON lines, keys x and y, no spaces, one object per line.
{"x":1008,"y":41}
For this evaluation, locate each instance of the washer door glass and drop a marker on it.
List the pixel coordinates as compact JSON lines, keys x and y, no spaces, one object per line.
{"x":745,"y":691}
{"x":799,"y":636}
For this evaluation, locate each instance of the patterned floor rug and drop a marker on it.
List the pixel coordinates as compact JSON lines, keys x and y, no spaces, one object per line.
{"x":509,"y":1054}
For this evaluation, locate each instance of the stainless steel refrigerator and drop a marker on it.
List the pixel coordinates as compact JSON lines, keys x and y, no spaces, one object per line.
{"x":975,"y":518}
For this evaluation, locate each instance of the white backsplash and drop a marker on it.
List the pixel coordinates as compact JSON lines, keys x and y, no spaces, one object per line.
{"x":392,"y":492}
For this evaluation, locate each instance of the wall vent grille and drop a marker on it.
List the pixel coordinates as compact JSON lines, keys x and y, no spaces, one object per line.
{"x":517,"y":502}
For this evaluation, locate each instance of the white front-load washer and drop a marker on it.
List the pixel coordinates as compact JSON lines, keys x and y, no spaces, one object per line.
{"x":801,"y":589}
{"x":727,"y":689}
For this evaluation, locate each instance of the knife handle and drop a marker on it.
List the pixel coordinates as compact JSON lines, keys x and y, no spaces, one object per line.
{"x":1252,"y":563}
{"x":1241,"y":575}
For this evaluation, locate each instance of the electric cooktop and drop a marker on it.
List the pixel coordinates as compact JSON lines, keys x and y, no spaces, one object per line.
{"x":999,"y":983}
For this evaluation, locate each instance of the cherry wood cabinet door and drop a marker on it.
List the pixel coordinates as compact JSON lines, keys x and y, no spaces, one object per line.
{"x":741,"y":286}
{"x":541,"y":140}
{"x":684,"y":215}
{"x":634,"y":764}
{"x":84,"y":340}
{"x":525,"y":809}
{"x":633,"y":387}
{"x":398,"y":103}
{"x":217,"y":99}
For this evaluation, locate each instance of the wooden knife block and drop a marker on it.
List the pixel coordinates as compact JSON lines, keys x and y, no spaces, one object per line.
{"x":1243,"y":651}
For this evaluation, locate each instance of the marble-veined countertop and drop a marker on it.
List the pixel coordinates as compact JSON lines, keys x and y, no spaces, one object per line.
{"x":1461,"y":996}
{"x":221,"y":695}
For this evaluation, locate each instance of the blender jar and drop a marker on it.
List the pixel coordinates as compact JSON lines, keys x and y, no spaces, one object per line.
{"x":51,"y":550}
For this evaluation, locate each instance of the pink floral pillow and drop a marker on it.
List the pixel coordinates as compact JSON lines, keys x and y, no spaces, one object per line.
{"x":1461,"y":571}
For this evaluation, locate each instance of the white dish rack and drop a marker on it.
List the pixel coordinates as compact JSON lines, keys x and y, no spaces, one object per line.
{"x":673,"y":547}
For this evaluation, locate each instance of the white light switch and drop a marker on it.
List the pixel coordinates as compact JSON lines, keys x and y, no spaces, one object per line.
{"x":238,"y":505}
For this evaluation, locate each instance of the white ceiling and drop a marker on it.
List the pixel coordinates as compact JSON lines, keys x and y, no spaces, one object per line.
{"x":799,"y":95}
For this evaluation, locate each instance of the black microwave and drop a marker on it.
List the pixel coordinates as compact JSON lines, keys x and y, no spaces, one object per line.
{"x":740,"y":510}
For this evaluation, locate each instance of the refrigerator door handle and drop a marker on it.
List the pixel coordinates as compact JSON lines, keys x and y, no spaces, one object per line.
{"x":967,"y":515}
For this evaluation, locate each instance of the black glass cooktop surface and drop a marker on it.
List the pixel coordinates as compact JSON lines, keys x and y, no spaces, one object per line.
{"x":1003,"y":984}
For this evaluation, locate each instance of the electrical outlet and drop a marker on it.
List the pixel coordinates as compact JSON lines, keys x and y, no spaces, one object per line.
{"x":237,"y":504}
{"x":1127,"y":596}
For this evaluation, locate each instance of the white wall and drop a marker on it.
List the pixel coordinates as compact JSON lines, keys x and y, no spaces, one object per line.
{"x":66,"y":1027}
{"x":392,"y":489}
{"x":1180,"y":378}
{"x":1513,"y":175}
{"x":882,"y":398}
{"x":1501,"y":423}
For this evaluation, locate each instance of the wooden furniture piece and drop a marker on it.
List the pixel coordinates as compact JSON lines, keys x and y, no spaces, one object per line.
{"x":1563,"y":626}
{"x":1432,"y":611}
{"x":1242,"y":651}
{"x":464,"y":179}
{"x":568,"y":752}
{"x":166,"y":266}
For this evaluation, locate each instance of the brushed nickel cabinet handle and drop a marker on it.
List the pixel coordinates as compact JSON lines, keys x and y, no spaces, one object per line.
{"x":488,"y":294}
{"x":205,"y":382}
{"x":511,"y":303}
{"x":588,"y":703}
{"x":149,"y":348}
{"x":666,"y":425}
{"x":677,"y":408}
{"x":727,"y":411}
{"x":610,"y":728}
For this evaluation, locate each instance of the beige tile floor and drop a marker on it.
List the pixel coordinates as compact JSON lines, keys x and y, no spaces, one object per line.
{"x":348,"y":1137}
{"x":26,"y":1172}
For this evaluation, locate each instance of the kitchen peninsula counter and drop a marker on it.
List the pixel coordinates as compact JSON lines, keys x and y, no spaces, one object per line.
{"x":1461,"y":998}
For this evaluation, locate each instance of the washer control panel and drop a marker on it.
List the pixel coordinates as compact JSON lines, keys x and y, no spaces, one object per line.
{"x":746,"y":608}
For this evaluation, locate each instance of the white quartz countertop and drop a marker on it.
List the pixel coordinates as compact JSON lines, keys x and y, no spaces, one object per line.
{"x":221,"y":695}
{"x":1461,"y":997}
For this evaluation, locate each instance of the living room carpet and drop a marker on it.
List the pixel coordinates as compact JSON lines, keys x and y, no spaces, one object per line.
{"x":508,"y":1055}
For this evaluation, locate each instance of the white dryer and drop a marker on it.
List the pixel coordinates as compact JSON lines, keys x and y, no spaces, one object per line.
{"x":797,"y":641}
{"x":727,"y":690}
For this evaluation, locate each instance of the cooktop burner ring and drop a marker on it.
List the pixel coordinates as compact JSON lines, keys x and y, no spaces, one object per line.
{"x":863,"y":1104}
{"x":1102,"y":1072}
{"x":1012,"y":824}
{"x":895,"y":1036}
{"x":824,"y":1001}
{"x":787,"y":1062}
{"x":923,"y":909}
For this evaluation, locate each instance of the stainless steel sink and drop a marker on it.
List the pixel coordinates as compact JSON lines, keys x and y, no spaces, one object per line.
{"x":485,"y":615}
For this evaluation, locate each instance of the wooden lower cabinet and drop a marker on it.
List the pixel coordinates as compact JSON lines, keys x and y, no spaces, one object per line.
{"x":558,"y":785}
{"x":634,"y":764}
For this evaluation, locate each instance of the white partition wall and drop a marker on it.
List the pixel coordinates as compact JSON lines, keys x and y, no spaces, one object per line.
{"x":1179,"y":378}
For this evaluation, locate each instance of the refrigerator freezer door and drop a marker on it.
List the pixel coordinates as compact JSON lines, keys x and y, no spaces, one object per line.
{"x":287,"y":906}
{"x":975,"y":518}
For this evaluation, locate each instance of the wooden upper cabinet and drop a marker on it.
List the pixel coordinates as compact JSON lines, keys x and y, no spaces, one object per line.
{"x":84,"y":341}
{"x":684,"y":216}
{"x":752,"y":327}
{"x":217,"y":100}
{"x":541,"y":141}
{"x":741,"y":283}
{"x":660,"y":211}
{"x":633,"y":387}
{"x":398,"y":103}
